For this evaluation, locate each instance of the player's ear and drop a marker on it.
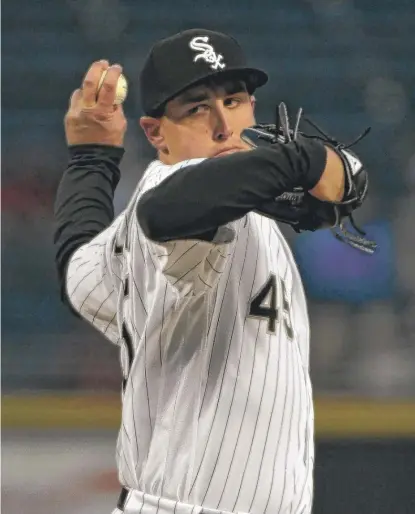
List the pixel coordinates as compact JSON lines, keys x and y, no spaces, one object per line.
{"x":151,"y":127}
{"x":252,"y":101}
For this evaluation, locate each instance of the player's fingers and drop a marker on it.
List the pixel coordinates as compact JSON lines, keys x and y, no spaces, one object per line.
{"x":107,"y":91}
{"x":119,"y":114}
{"x":75,"y":99}
{"x":91,"y":81}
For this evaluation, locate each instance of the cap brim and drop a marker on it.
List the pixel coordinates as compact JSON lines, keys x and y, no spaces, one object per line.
{"x":253,"y":78}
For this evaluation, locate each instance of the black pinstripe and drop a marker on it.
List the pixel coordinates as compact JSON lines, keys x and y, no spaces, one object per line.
{"x":146,"y":380}
{"x":205,"y":283}
{"x":137,"y":289}
{"x":217,"y":322}
{"x":77,"y":269}
{"x":76,"y":259}
{"x":306,"y":459}
{"x":234,"y":388}
{"x":297,"y":398}
{"x":158,"y":505}
{"x":110,"y":323}
{"x":125,"y":459}
{"x":241,"y":424}
{"x":224,"y":368}
{"x":123,"y":480}
{"x":174,"y":413}
{"x":280,"y":434}
{"x":289,"y":434}
{"x":102,"y":303}
{"x":142,"y":505}
{"x":187,"y":272}
{"x":256,"y":421}
{"x":162,"y":321}
{"x":210,"y":264}
{"x":269,"y":421}
{"x":135,"y":425}
{"x":180,"y":257}
{"x":138,"y":236}
{"x":80,"y":282}
{"x":92,"y":290}
{"x":167,"y":254}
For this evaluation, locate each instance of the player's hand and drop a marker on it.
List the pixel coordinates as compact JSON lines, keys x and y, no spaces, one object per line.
{"x":92,"y":117}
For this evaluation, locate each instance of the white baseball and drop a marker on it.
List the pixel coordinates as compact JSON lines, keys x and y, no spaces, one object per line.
{"x":122,"y":88}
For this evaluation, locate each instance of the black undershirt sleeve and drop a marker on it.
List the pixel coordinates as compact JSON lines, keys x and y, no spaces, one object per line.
{"x":84,"y":204}
{"x":196,"y":200}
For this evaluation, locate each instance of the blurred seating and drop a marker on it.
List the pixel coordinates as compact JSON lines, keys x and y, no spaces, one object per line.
{"x":348,"y":65}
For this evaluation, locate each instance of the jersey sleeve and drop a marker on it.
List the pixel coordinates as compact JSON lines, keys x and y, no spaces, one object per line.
{"x":192,"y":266}
{"x":93,"y":279}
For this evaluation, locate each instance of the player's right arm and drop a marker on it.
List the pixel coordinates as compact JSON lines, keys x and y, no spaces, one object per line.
{"x":85,"y":233}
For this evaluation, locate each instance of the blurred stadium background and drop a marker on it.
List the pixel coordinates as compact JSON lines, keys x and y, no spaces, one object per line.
{"x":349,"y":64}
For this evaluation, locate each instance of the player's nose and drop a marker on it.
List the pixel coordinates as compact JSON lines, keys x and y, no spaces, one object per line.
{"x":222,"y":128}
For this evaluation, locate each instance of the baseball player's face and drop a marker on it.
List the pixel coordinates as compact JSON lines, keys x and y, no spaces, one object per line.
{"x":204,"y":121}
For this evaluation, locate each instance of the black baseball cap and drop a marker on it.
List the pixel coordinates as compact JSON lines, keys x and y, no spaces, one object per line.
{"x":185,"y":59}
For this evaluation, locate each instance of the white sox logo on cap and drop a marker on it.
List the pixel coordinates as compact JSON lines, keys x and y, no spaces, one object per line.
{"x":206,"y":52}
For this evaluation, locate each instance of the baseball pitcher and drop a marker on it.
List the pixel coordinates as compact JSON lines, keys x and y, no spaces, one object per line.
{"x":194,"y":281}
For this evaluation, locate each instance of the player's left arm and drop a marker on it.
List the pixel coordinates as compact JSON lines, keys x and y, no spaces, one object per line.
{"x":191,"y":212}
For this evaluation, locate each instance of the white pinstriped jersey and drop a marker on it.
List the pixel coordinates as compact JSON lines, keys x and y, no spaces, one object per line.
{"x":214,"y":342}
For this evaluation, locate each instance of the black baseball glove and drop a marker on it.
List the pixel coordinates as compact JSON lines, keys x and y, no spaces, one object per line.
{"x":300,"y":209}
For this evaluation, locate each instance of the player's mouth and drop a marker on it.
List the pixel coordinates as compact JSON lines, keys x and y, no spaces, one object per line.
{"x":227,"y":151}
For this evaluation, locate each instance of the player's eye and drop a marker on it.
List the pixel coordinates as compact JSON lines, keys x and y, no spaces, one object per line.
{"x":197,"y":109}
{"x":231,"y":101}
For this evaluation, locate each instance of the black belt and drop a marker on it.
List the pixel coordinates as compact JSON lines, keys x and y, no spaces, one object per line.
{"x":122,"y":498}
